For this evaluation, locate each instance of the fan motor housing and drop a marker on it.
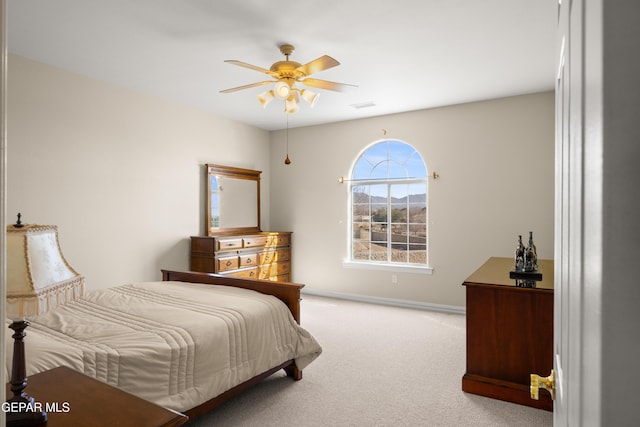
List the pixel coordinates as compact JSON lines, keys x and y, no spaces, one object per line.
{"x":287,"y":68}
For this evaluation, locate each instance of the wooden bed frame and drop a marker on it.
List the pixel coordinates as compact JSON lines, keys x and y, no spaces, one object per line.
{"x":289,"y":293}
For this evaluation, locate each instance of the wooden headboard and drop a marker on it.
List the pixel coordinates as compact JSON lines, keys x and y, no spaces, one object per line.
{"x":289,"y":293}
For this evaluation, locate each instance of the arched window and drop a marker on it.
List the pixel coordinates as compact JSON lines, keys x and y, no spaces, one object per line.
{"x":388,"y":190}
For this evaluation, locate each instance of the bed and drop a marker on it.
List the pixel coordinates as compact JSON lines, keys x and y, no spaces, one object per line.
{"x":188,"y":342}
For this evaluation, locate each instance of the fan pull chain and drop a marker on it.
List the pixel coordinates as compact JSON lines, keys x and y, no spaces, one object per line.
{"x":287,"y":161}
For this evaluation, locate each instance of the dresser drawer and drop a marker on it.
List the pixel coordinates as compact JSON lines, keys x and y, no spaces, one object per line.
{"x":227,"y":263}
{"x":268,"y":257}
{"x":282,"y":268}
{"x":275,"y":269}
{"x":247,"y":273}
{"x":229,"y":244}
{"x":278,"y":240}
{"x":254,"y":241}
{"x":248,"y":260}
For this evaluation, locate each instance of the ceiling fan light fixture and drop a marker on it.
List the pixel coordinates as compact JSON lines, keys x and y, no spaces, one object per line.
{"x":266,"y":97}
{"x":310,"y":97}
{"x":282,"y":90}
{"x":291,"y":105}
{"x":286,"y":74}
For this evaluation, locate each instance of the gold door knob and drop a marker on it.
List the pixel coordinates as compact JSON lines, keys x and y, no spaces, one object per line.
{"x":547,"y":383}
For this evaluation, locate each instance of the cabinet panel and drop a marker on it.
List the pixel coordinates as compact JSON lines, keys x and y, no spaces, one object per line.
{"x":249,"y":273}
{"x":282,"y":268}
{"x":227,"y":263}
{"x":267,"y":257}
{"x":278,"y":240}
{"x":274,"y":269}
{"x":254,"y":241}
{"x":228,"y":244}
{"x":248,"y":260}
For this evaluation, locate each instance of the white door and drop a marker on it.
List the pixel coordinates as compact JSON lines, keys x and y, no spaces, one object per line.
{"x":567,"y":288}
{"x":561,"y":236}
{"x":569,"y":217}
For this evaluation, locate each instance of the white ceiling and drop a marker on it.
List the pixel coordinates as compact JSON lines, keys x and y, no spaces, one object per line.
{"x":403,"y":55}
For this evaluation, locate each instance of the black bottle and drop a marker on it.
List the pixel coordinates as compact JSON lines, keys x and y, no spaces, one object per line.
{"x":519,"y":256}
{"x":531,"y":255}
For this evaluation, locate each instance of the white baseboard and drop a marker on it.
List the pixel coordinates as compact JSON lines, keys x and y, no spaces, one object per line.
{"x":454,"y":309}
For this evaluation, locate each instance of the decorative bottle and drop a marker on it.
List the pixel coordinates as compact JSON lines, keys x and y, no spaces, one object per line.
{"x":519,"y":256}
{"x":530,"y":255}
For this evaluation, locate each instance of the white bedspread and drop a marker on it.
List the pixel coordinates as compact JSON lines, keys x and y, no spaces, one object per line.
{"x":175,"y":344}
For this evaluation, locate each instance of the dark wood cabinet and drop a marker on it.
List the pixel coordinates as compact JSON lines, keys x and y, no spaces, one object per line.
{"x":509,"y":333}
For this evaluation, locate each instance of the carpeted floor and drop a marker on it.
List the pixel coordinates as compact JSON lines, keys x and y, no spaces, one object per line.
{"x":380,"y":366}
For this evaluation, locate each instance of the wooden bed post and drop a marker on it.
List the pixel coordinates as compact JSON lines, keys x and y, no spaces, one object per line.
{"x":293,"y":372}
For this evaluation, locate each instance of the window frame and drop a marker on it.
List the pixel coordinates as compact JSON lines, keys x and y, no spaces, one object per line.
{"x":388,"y":264}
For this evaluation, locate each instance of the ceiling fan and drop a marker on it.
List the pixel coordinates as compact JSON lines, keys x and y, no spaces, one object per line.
{"x":286,"y":74}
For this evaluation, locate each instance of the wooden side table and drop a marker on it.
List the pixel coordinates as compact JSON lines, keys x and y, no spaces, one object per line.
{"x":509,"y":333}
{"x":78,"y":400}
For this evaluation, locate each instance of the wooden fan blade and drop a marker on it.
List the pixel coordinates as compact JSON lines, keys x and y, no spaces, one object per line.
{"x":251,"y":67}
{"x":319,"y":64}
{"x":234,"y":89}
{"x":325,"y":84}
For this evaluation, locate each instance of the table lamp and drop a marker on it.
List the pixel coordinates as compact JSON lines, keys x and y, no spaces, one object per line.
{"x":38,"y":280}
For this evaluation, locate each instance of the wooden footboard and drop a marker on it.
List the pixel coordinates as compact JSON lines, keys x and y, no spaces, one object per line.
{"x":219,"y":400}
{"x":289,"y":293}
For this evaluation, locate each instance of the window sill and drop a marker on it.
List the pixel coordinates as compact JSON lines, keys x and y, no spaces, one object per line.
{"x":386,"y":267}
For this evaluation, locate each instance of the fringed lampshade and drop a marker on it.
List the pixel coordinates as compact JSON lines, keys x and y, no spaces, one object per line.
{"x":38,"y":279}
{"x":38,"y":276}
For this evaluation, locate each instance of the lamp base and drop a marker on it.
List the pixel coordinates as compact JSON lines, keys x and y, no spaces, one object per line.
{"x":24,"y":412}
{"x":21,"y":410}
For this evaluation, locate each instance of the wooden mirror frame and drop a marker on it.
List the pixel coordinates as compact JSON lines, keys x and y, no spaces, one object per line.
{"x":235,"y":173}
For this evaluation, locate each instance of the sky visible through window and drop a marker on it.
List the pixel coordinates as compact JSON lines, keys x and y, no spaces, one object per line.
{"x":389,"y":205}
{"x":389,"y":160}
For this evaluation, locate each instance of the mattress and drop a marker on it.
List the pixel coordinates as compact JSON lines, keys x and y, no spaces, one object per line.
{"x":173,"y":343}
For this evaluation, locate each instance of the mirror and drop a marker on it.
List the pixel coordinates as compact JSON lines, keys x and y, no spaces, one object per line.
{"x":233,"y":200}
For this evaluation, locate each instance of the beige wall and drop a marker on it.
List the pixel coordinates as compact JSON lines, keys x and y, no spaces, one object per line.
{"x":496,"y":166}
{"x":119,"y":172}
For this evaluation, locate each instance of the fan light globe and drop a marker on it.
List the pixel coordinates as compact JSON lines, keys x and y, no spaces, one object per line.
{"x":266,"y":97}
{"x":310,"y":97}
{"x":291,"y":105}
{"x":282,"y":90}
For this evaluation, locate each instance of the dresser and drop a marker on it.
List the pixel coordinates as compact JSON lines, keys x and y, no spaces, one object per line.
{"x":259,"y":255}
{"x":509,"y":333}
